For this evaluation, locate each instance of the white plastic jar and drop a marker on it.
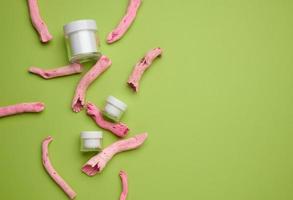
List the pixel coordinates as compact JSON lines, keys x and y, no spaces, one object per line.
{"x":91,"y":140}
{"x":82,"y":41}
{"x":114,"y":108}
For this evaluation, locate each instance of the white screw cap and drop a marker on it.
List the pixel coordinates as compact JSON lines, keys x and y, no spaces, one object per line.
{"x":91,"y":134}
{"x":116,"y":102}
{"x":84,"y":24}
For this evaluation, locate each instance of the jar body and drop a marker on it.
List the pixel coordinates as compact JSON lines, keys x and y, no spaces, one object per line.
{"x":91,"y":144}
{"x":112,"y":112}
{"x":82,"y":46}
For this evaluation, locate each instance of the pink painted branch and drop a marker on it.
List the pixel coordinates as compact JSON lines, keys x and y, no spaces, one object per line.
{"x":125,"y":23}
{"x":38,"y":22}
{"x":52,"y":172}
{"x":97,"y":163}
{"x":74,"y":68}
{"x":80,"y":92}
{"x":21,"y":108}
{"x":124,"y":181}
{"x":119,"y":129}
{"x":141,"y":66}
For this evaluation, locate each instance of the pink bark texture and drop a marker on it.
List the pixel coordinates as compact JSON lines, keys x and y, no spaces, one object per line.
{"x":74,"y":68}
{"x":119,"y":129}
{"x":97,"y":163}
{"x":125,"y":22}
{"x":38,"y":22}
{"x":124,"y":181}
{"x":52,"y":172}
{"x":141,"y":66}
{"x":21,"y":108}
{"x":78,"y":101}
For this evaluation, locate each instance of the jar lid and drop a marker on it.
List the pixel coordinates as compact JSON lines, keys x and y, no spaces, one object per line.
{"x":116,"y":102}
{"x":91,"y":134}
{"x":84,"y":24}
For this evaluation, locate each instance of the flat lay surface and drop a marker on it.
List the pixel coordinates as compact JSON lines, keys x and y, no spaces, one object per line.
{"x":218,"y":104}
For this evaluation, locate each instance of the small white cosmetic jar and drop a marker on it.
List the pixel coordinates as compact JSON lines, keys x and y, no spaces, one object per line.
{"x":91,"y":140}
{"x":82,"y":41}
{"x":114,"y":108}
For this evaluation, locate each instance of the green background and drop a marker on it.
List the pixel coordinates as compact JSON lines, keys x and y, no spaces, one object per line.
{"x":218,"y":105}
